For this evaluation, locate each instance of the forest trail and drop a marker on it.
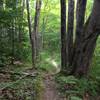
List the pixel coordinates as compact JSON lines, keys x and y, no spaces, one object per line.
{"x":50,"y":89}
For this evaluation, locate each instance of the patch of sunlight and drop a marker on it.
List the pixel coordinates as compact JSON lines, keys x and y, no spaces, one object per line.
{"x":54,"y":64}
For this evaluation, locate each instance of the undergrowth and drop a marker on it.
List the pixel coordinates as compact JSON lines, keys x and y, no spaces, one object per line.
{"x":19,"y":87}
{"x":72,"y":87}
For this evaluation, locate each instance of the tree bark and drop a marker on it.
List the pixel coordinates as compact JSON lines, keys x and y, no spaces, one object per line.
{"x":13,"y":42}
{"x":63,"y":35}
{"x":70,"y":30}
{"x":32,"y":37}
{"x":80,"y":15}
{"x":36,"y":27}
{"x":86,"y":46}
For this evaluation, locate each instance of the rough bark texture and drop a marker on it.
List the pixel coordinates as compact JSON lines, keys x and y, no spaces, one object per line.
{"x":80,"y":15}
{"x":70,"y":32}
{"x":86,"y":46}
{"x":63,"y":34}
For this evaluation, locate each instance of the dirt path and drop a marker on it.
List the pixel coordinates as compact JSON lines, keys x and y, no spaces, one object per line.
{"x":50,"y":91}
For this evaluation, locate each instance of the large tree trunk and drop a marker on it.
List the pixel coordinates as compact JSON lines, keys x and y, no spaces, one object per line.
{"x":85,"y":47}
{"x":70,"y":33}
{"x":63,"y":35}
{"x":80,"y":15}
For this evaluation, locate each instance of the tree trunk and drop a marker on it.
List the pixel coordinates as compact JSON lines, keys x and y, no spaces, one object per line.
{"x":36,"y":27}
{"x":13,"y":42}
{"x":34,"y":35}
{"x":80,"y":15}
{"x":32,"y":38}
{"x":63,"y":35}
{"x":21,"y":26}
{"x":86,"y":46}
{"x":70,"y":32}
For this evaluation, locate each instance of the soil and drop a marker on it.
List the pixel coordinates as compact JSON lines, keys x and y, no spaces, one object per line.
{"x":50,"y":89}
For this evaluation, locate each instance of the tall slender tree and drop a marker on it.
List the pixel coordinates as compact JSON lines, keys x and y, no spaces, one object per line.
{"x":32,"y":38}
{"x":36,"y":27}
{"x":34,"y":35}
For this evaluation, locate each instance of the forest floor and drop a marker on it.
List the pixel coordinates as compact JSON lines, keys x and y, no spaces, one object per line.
{"x":8,"y":80}
{"x":14,"y":86}
{"x":50,"y":89}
